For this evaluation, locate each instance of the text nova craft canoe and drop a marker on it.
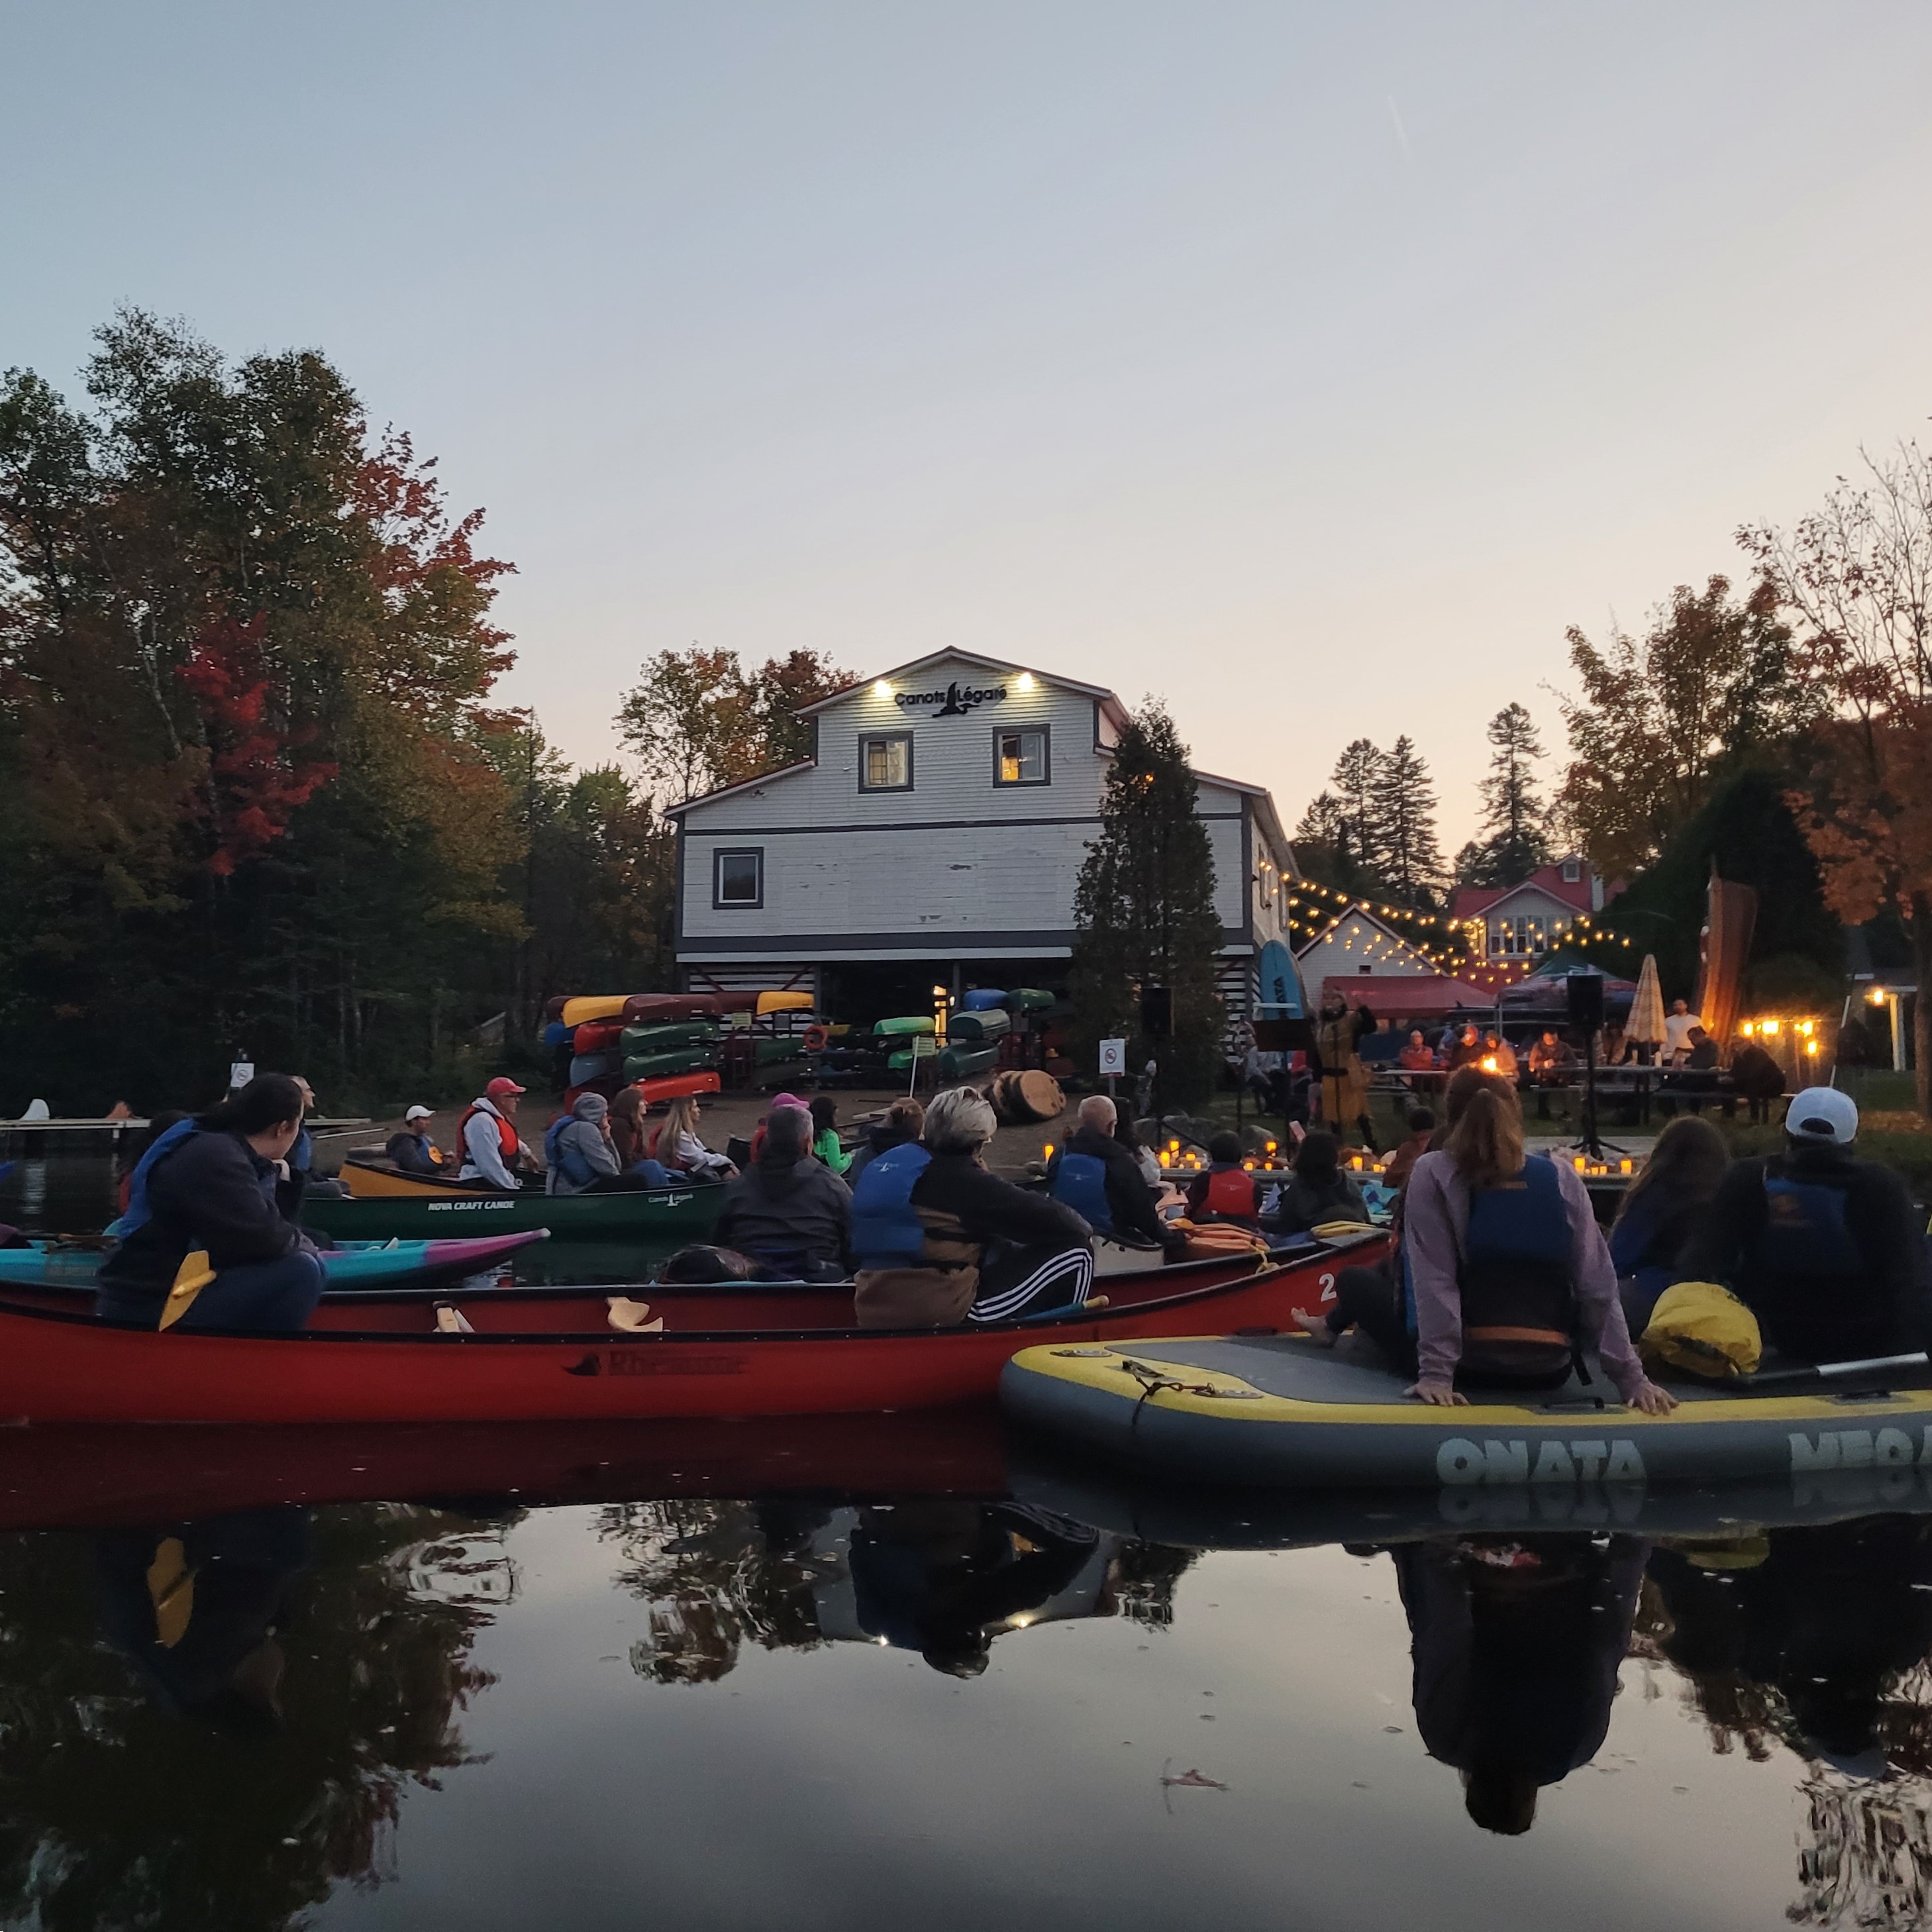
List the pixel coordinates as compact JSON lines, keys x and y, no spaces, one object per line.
{"x":383,"y":1205}
{"x":550,"y":1354}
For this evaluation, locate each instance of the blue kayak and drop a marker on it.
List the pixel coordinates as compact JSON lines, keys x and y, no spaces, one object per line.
{"x":53,"y":1263}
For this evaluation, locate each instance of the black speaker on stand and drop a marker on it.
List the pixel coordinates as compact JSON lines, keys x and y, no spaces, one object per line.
{"x":1585,"y":993}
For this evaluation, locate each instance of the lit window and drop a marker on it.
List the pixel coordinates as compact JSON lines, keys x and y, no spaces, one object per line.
{"x":738,"y":878}
{"x":1020,"y":757}
{"x":885,"y":764}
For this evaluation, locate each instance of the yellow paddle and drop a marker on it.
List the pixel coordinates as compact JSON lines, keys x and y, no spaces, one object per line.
{"x":171,"y":1588}
{"x":194,"y":1275}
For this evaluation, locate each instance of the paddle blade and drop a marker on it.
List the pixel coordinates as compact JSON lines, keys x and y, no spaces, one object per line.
{"x":194,"y":1275}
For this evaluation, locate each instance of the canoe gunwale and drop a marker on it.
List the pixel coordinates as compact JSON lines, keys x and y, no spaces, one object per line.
{"x":1081,"y":1318}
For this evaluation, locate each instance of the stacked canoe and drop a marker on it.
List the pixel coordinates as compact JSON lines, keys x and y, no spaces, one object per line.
{"x":672,"y":1043}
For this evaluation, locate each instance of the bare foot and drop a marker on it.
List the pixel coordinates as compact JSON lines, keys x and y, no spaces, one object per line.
{"x":1319,"y":1332}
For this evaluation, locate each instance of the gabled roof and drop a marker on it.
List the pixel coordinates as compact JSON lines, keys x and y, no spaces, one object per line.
{"x":1264,"y":810}
{"x":1356,"y":912}
{"x":743,"y":784}
{"x":1098,"y":692}
{"x":1473,"y":902}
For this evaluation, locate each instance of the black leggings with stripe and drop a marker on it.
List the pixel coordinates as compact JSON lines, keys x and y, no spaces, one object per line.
{"x":1032,"y":1281}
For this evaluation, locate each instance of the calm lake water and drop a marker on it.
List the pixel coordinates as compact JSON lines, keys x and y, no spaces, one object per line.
{"x":851,"y":1673}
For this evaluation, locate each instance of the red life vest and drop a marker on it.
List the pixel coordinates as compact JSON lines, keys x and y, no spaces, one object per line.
{"x":506,"y":1136}
{"x":1231,"y":1192}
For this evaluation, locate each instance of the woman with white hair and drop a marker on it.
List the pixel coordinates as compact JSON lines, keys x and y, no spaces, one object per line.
{"x":941,"y":1241}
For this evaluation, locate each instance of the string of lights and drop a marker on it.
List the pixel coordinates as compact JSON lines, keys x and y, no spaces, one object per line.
{"x":1314,"y":911}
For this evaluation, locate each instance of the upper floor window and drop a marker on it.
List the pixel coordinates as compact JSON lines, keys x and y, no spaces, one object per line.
{"x":885,"y":763}
{"x":1021,"y":757}
{"x":1573,"y":871}
{"x":738,"y":878}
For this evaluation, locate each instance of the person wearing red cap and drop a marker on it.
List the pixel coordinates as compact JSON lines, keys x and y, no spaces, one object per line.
{"x":488,"y":1140}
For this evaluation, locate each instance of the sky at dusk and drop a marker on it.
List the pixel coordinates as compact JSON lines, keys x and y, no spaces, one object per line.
{"x":1311,"y":367}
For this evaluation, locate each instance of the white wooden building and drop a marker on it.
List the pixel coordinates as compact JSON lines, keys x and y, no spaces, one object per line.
{"x":1355,"y":943}
{"x":938,"y":829}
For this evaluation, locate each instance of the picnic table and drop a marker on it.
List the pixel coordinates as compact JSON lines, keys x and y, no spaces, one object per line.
{"x":1642,"y":1086}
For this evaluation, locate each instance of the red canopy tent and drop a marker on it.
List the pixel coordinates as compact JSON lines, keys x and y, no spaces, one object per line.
{"x":1405,"y":996}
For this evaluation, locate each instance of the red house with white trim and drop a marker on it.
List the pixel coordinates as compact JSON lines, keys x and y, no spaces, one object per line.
{"x":1522,"y":921}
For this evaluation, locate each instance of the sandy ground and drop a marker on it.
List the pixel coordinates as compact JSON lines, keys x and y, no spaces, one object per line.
{"x":724,"y":1115}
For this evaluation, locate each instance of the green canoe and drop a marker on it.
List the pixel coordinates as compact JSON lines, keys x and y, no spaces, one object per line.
{"x":967,"y":1063}
{"x":679,"y":1060}
{"x":664,"y":1219}
{"x":667,"y":1039}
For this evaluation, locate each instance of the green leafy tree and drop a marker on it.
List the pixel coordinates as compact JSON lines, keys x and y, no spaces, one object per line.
{"x":1144,"y":911}
{"x":1660,"y":720}
{"x":245,"y":650}
{"x":697,"y":719}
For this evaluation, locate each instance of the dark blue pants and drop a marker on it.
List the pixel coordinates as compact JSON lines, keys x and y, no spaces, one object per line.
{"x":269,"y":1297}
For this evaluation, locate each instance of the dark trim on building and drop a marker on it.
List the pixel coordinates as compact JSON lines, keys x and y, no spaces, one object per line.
{"x":861,"y":740}
{"x":677,"y":920}
{"x":719,"y":903}
{"x":1045,"y":756}
{"x":921,"y":825}
{"x":937,"y":946}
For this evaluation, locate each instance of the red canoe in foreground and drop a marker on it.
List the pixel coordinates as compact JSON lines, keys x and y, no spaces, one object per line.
{"x":550,"y":1354}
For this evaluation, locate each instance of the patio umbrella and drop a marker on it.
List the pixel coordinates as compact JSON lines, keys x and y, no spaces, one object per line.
{"x":1645,"y":1024}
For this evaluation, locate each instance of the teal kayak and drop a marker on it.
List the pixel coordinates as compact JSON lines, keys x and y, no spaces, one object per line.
{"x":393,"y":1264}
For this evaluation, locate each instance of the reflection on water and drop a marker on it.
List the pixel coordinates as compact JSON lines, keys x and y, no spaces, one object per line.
{"x":212,"y":1724}
{"x":347,"y":1714}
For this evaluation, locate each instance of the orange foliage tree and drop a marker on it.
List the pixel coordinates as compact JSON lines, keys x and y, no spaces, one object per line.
{"x":1857,"y":574}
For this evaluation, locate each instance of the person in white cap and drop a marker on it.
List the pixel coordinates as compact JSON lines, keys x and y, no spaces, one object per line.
{"x":1822,"y":1247}
{"x":411,"y":1150}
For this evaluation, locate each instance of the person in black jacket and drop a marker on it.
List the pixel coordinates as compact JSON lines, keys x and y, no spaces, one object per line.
{"x":1128,"y":1202}
{"x":1824,"y":1248}
{"x":209,"y":1185}
{"x":790,"y":1213}
{"x":1516,"y":1647}
{"x":956,"y":1243}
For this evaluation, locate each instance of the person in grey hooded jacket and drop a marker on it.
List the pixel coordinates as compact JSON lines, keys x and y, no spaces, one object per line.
{"x":577,"y":1150}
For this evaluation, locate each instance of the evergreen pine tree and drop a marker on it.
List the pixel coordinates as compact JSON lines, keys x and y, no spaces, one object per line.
{"x":1514,"y":816}
{"x":1144,"y":915}
{"x":1324,"y":851}
{"x":1358,"y":779}
{"x":1405,"y":812}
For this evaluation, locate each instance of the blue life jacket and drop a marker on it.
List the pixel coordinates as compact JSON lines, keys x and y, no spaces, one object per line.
{"x":138,"y":1213}
{"x":1080,"y":1182}
{"x":1519,"y":1304}
{"x":887,"y":1231}
{"x":1805,"y":1231}
{"x":568,"y":1161}
{"x":301,"y":1155}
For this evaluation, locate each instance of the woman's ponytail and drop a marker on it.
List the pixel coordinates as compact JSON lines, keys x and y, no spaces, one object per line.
{"x":1486,"y":1143}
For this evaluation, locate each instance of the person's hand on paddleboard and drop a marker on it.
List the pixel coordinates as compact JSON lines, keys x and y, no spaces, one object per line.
{"x":1652,"y":1400}
{"x":1440,"y":1395}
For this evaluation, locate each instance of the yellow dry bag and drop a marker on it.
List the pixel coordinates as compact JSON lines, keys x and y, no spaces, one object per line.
{"x":1704,"y":1330}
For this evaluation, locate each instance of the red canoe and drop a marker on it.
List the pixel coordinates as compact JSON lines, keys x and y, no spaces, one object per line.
{"x":125,"y":1475}
{"x":550,"y":1354}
